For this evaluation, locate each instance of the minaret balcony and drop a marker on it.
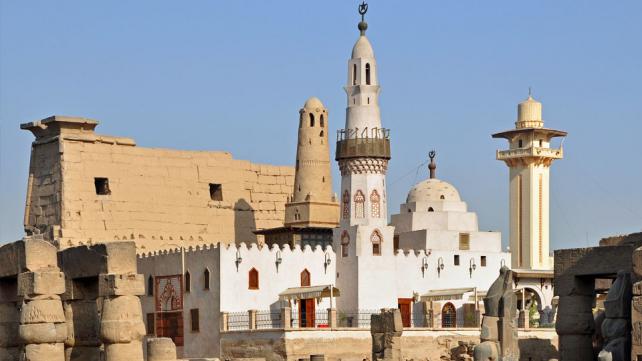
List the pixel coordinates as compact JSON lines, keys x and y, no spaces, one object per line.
{"x":532,"y":152}
{"x":352,"y":145}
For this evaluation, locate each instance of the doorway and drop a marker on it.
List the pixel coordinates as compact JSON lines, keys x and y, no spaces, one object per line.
{"x":405,"y":307}
{"x":306,"y":312}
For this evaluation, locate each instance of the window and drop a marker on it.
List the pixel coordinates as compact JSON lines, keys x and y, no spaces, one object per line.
{"x":430,"y":209}
{"x":395,"y":242}
{"x":456,"y":260}
{"x":311,"y":120}
{"x":442,"y":197}
{"x":368,"y":73}
{"x":464,"y":241}
{"x":346,"y":204}
{"x":321,"y":121}
{"x":354,"y":74}
{"x":253,"y":279}
{"x":359,"y":204}
{"x":188,"y":282}
{"x":375,"y":206}
{"x":376,"y":240}
{"x":541,"y":142}
{"x":216,"y":192}
{"x":297,"y":215}
{"x":305,"y":278}
{"x":206,"y":279}
{"x":345,"y":243}
{"x":321,"y":134}
{"x":449,"y":316}
{"x":150,"y":324}
{"x":195,"y":319}
{"x":150,"y":286}
{"x":102,"y":186}
{"x":483,"y":261}
{"x":519,"y":143}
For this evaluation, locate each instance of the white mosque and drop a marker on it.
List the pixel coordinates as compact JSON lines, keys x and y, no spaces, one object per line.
{"x":431,"y":261}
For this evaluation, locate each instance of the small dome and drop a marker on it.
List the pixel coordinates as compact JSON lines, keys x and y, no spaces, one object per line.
{"x":362,"y":48}
{"x":432,"y":190}
{"x":529,"y":113}
{"x":313,"y":103}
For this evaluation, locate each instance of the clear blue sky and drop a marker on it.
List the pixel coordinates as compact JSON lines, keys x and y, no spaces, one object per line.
{"x":232,"y":75}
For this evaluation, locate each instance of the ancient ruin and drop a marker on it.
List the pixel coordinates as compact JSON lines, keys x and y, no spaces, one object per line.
{"x":386,"y":329}
{"x":499,"y":330}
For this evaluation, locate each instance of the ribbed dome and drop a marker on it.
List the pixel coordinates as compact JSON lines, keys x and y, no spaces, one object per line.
{"x":362,"y":48}
{"x":432,"y":190}
{"x":313,"y":103}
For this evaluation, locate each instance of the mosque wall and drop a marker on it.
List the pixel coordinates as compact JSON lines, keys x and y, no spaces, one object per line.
{"x":159,"y":198}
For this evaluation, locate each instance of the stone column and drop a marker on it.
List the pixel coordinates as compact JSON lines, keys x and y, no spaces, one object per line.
{"x":251,"y":319}
{"x":161,"y":349}
{"x":9,"y":321}
{"x":575,"y":324}
{"x":332,"y":317}
{"x":224,"y":321}
{"x":386,"y":329}
{"x":286,"y":318}
{"x":83,"y":324}
{"x":636,"y":307}
{"x":121,"y":327}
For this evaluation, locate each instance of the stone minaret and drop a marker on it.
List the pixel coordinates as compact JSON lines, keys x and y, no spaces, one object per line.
{"x":313,"y":203}
{"x":364,"y":241}
{"x":529,"y":158}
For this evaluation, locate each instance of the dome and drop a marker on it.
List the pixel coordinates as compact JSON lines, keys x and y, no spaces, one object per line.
{"x":529,"y":113}
{"x":362,"y":48}
{"x":313,"y":103}
{"x":432,"y":190}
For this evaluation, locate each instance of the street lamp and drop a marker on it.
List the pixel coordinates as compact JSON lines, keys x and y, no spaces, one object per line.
{"x":424,"y":266}
{"x":440,"y":266}
{"x":471,"y":267}
{"x":278,"y":260}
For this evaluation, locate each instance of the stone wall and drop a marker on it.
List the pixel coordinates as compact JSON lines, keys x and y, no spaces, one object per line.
{"x":157,"y":197}
{"x":356,"y":345}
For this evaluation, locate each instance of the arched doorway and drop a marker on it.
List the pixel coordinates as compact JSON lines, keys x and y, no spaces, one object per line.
{"x":449,"y":316}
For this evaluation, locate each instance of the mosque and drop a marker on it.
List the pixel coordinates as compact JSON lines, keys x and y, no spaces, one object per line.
{"x":229,"y":245}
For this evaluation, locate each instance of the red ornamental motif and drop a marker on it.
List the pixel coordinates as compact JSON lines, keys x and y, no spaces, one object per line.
{"x":169,"y":293}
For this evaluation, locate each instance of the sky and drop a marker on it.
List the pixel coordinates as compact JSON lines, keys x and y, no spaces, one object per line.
{"x":232,"y":75}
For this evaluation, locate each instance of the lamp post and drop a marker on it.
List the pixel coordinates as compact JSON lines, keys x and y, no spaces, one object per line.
{"x":471,"y":267}
{"x":440,"y":266}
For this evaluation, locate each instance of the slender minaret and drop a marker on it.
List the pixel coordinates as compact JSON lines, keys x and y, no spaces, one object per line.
{"x":313,"y":204}
{"x":363,"y":240}
{"x":529,"y":158}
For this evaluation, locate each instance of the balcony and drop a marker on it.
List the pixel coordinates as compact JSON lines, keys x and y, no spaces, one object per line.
{"x":363,"y":148}
{"x":551,"y":153}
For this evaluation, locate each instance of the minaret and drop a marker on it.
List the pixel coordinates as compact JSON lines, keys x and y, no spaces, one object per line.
{"x":364,"y":241}
{"x":313,"y":204}
{"x":529,"y":158}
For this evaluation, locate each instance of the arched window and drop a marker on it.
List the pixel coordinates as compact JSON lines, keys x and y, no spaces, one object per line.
{"x":253,"y":279}
{"x":150,"y":286}
{"x":368,"y":73}
{"x":301,"y":121}
{"x":354,"y":74}
{"x":206,"y":279}
{"x":359,"y":204}
{"x":376,"y":240}
{"x":297,"y":215}
{"x":345,"y":244}
{"x":188,"y":282}
{"x":442,"y":197}
{"x":346,"y":204}
{"x":305,"y":278}
{"x":321,"y":121}
{"x":430,"y":209}
{"x":321,"y":134}
{"x":449,"y":316}
{"x":311,"y":120}
{"x":375,"y":204}
{"x":520,"y":143}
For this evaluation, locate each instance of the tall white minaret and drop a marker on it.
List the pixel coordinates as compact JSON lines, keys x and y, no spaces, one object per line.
{"x":529,"y":158}
{"x":364,"y":241}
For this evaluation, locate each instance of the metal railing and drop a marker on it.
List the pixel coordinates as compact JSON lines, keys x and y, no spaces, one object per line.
{"x":268,"y":320}
{"x":355,"y":318}
{"x":556,"y":153}
{"x":238,"y":321}
{"x":321,"y":319}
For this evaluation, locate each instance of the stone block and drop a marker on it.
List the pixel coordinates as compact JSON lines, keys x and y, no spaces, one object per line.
{"x":82,"y":353}
{"x":121,"y":285}
{"x":132,"y":351}
{"x":637,"y":263}
{"x":636,"y":332}
{"x":105,"y":258}
{"x":40,"y":311}
{"x":490,"y":328}
{"x":122,"y":320}
{"x":41,"y":283}
{"x":569,"y":323}
{"x":576,"y":347}
{"x":45,"y":352}
{"x":29,"y":254}
{"x":80,"y":289}
{"x":9,"y":353}
{"x":161,"y":349}
{"x":637,"y":288}
{"x":9,"y":334}
{"x":36,"y":333}
{"x":82,"y":323}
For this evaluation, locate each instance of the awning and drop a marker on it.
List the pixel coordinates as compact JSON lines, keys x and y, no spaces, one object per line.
{"x":298,"y":293}
{"x":446,"y":294}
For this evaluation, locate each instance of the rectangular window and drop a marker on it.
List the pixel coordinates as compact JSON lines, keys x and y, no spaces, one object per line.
{"x":456,"y":260}
{"x":150,"y":324}
{"x":216,"y":192}
{"x":195,"y":319}
{"x":464,"y":241}
{"x":102,"y":186}
{"x":483,"y":261}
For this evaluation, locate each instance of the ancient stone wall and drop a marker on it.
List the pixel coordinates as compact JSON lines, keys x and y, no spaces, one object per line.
{"x":155,"y":197}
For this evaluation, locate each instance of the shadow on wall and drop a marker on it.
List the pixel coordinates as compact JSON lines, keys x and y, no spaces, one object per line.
{"x":244,"y":222}
{"x":536,"y":349}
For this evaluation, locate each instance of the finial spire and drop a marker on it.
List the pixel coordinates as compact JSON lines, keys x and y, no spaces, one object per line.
{"x":363,"y":25}
{"x":530,"y":92}
{"x":432,"y":166}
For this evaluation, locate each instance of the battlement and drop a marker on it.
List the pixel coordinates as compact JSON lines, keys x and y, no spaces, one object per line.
{"x":250,"y":250}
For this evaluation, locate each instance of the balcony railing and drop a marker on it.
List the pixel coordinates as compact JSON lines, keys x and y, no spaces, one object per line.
{"x":555,"y":153}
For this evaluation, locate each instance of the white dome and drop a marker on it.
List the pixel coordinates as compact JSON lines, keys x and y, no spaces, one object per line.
{"x":432,"y":190}
{"x":313,"y":103}
{"x":362,"y":49}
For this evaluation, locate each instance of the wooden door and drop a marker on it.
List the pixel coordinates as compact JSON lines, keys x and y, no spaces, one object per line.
{"x":404,"y":305}
{"x":306,"y":312}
